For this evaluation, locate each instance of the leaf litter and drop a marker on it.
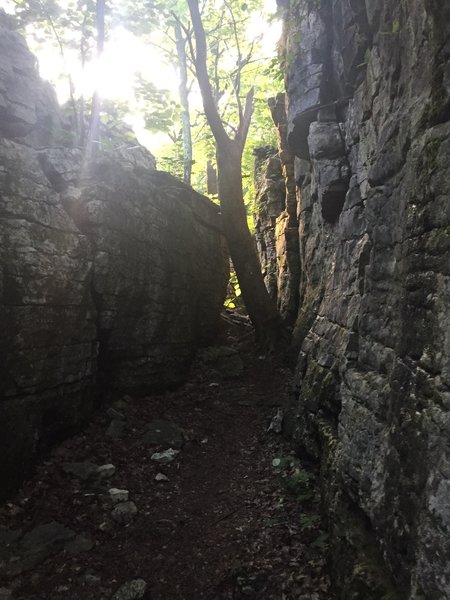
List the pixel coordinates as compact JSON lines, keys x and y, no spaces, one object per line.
{"x":236,"y":518}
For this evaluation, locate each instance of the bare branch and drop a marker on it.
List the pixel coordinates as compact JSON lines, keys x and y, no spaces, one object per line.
{"x":191,"y":64}
{"x":212,"y":114}
{"x":244,"y":124}
{"x":237,"y":82}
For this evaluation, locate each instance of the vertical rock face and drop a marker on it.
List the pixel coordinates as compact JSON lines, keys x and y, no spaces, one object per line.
{"x":368,"y":92}
{"x":47,"y":316}
{"x":276,"y":224}
{"x":159,"y":272}
{"x":270,"y":202}
{"x":110,"y":275}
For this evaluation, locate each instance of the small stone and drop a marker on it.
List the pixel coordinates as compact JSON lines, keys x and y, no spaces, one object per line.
{"x":161,"y":477}
{"x":165,"y":457}
{"x":132,"y":590}
{"x":106,"y":471}
{"x":118,"y":495}
{"x":124,"y":512}
{"x":90,"y":578}
{"x":114,"y":414}
{"x":214,"y":384}
{"x":276,"y":424}
{"x":248,"y":591}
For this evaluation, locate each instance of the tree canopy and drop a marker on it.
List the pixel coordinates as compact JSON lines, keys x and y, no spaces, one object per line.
{"x":212,"y":118}
{"x":237,"y":61}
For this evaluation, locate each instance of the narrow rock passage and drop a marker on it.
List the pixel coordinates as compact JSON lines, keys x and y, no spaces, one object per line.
{"x":218,"y":521}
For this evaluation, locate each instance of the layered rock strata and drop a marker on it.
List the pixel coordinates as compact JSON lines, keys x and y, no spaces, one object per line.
{"x":111,"y":273}
{"x":368,"y":104}
{"x":275,"y":218}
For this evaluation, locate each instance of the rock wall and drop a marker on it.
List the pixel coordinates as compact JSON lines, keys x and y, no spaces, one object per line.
{"x":275,"y":218}
{"x":368,"y":107}
{"x":111,"y":273}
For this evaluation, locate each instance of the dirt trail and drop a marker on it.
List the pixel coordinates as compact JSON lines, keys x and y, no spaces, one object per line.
{"x":225,"y":524}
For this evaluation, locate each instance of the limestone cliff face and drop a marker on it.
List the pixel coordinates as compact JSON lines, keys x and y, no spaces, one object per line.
{"x":276,"y":232}
{"x":368,"y":106}
{"x":110,"y":275}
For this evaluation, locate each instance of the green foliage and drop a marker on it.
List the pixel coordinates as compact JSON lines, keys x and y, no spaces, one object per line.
{"x":161,"y":111}
{"x":275,"y":69}
{"x":170,"y":159}
{"x":262,"y":132}
{"x":367,"y":58}
{"x":234,"y":299}
{"x":114,"y":112}
{"x":395,"y":28}
{"x":140,"y":17}
{"x":301,"y":485}
{"x":237,"y":62}
{"x":298,"y":481}
{"x":66,"y":26}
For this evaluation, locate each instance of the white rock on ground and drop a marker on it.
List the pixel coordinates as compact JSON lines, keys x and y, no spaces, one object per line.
{"x":106,"y":471}
{"x":118,"y":495}
{"x":165,"y":457}
{"x":132,"y":590}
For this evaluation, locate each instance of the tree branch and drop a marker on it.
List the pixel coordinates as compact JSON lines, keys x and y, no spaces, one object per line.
{"x":211,"y":111}
{"x":244,"y":123}
{"x":237,"y":82}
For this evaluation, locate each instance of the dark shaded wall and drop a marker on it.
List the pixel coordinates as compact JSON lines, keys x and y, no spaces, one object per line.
{"x":111,"y":273}
{"x":368,"y":109}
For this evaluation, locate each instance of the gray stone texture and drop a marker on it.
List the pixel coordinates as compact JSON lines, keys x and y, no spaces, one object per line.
{"x":368,"y":95}
{"x":275,"y":217}
{"x":111,"y":273}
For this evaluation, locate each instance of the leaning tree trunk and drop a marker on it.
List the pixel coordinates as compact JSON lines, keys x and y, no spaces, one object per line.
{"x":260,"y":306}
